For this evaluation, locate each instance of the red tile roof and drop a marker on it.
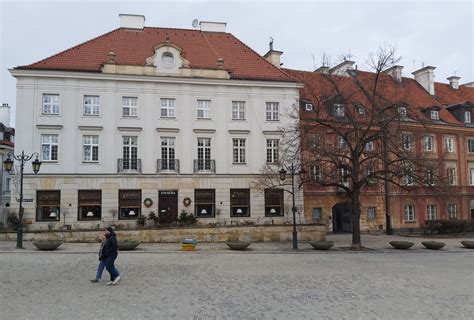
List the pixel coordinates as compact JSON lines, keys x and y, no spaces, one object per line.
{"x":407,"y":91}
{"x":449,"y":96}
{"x":132,"y":47}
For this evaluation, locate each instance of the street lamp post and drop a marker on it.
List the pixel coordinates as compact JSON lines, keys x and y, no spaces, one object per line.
{"x":8,"y":164}
{"x":282,"y":173}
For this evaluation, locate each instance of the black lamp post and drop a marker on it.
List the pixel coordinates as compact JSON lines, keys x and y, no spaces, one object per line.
{"x":8,"y":165}
{"x":282,"y":174}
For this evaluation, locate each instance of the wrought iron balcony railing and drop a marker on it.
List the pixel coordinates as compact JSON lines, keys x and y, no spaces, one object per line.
{"x":204,"y":166}
{"x":129,"y":165}
{"x":167,"y":166}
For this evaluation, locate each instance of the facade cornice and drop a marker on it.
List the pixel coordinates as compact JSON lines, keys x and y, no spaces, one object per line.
{"x":50,"y":126}
{"x":204,"y":130}
{"x":239,"y":131}
{"x":171,"y":130}
{"x":134,"y":129}
{"x":91,"y":128}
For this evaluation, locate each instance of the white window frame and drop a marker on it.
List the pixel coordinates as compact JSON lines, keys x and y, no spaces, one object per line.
{"x":90,"y":143}
{"x":409,"y":213}
{"x":51,"y":107}
{"x":316,"y":172}
{"x":129,"y":106}
{"x":167,"y":108}
{"x":428,"y":143}
{"x":449,"y":144}
{"x":451,"y":175}
{"x":308,"y":106}
{"x":203,"y":109}
{"x":91,"y":105}
{"x":369,"y":146}
{"x":407,"y":141}
{"x":471,"y":176}
{"x":470,"y":143}
{"x":51,"y":141}
{"x":273,"y":151}
{"x":402,"y":112}
{"x":341,"y":143}
{"x":452,"y":211}
{"x":467,"y":116}
{"x":272,"y":112}
{"x":434,"y":114}
{"x":238,"y":110}
{"x":238,"y":151}
{"x":431,"y":210}
{"x":339,"y":110}
{"x":361,"y":110}
{"x":343,"y":176}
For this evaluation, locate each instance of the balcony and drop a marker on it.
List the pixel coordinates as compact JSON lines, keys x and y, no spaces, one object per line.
{"x":132,"y":166}
{"x":204,"y":166}
{"x":167,"y":166}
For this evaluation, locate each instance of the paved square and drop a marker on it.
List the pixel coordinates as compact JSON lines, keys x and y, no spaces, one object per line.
{"x":259,"y":284}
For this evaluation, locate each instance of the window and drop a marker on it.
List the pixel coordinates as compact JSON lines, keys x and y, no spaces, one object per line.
{"x":467,"y":116}
{"x":434,"y":114}
{"x":308,"y":106}
{"x":402,"y":111}
{"x":167,"y":108}
{"x":449,"y":144}
{"x":371,"y":213}
{"x":360,"y":110}
{"x":238,"y":110}
{"x":204,"y":154}
{"x":273,"y":202}
{"x":238,"y":151}
{"x":91,"y":106}
{"x":409,"y":213}
{"x":430,"y":177}
{"x":316,"y":172}
{"x":7,"y":184}
{"x":168,"y":154}
{"x":471,"y":176}
{"x":431,"y":212}
{"x":49,"y":147}
{"x":272,"y":150}
{"x":407,"y":141}
{"x":50,"y":103}
{"x":130,"y":152}
{"x":240,"y":202}
{"x":408,"y":178}
{"x":370,"y":173}
{"x":369,"y":146}
{"x":167,"y":59}
{"x":338,"y":110}
{"x":129,"y":106}
{"x":273,"y":112}
{"x":90,"y":204}
{"x":470,"y":145}
{"x":204,"y":109}
{"x":344,"y":176}
{"x":2,"y":135}
{"x":317,"y":214}
{"x":130,"y":204}
{"x":205,"y":202}
{"x":48,"y":205}
{"x":428,"y":143}
{"x":451,"y":175}
{"x":90,"y":148}
{"x":341,"y":142}
{"x":452,"y":211}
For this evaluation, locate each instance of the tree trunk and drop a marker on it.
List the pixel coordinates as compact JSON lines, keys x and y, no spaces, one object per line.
{"x":355,"y":218}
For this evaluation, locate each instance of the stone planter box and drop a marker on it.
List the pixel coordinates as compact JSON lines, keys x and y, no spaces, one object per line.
{"x":468,"y":244}
{"x":127,"y":245}
{"x":238,"y":245}
{"x":47,"y":245}
{"x":433,"y":245}
{"x":322,"y":245}
{"x":401,"y":245}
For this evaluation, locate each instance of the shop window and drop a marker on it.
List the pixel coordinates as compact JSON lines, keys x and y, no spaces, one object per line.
{"x":48,"y":205}
{"x":90,"y":204}
{"x":130,"y":204}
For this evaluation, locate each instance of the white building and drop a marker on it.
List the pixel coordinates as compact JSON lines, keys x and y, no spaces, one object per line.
{"x":144,"y":119}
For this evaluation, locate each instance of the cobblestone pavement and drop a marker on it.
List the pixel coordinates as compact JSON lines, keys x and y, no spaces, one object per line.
{"x":269,"y":282}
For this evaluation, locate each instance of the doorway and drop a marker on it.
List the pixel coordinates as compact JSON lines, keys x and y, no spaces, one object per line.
{"x":167,"y":206}
{"x":341,"y":217}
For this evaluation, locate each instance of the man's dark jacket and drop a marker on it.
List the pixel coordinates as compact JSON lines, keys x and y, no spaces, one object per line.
{"x":110,"y":248}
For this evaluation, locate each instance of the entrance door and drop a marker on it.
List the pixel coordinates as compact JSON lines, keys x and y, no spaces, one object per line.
{"x":341,"y":217}
{"x":168,"y":206}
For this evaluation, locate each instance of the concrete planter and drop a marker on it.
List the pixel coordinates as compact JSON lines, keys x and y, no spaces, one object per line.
{"x":401,"y":245}
{"x":127,"y":245}
{"x":322,"y":245}
{"x":47,"y":245}
{"x":468,"y":244}
{"x":433,"y":245}
{"x":238,"y":245}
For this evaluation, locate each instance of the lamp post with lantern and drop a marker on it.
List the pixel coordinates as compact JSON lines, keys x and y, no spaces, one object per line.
{"x":8,"y":165}
{"x":292,"y":170}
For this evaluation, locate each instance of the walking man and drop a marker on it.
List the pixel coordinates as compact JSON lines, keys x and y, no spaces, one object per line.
{"x":109,"y":254}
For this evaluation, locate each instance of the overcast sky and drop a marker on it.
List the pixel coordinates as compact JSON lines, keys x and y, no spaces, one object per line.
{"x":436,"y":33}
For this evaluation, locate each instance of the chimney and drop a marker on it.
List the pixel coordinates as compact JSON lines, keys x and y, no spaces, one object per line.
{"x":322,"y":69}
{"x":5,"y":114}
{"x":342,"y":68}
{"x":425,"y":78}
{"x":454,"y":82}
{"x":395,"y":72}
{"x":111,"y":56}
{"x":273,"y":56}
{"x":212,"y":26}
{"x":132,"y":21}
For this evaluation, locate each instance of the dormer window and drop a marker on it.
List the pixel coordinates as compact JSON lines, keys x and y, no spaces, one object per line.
{"x":467,"y":116}
{"x":308,"y":106}
{"x":167,"y":59}
{"x":402,"y":111}
{"x":338,"y":110}
{"x":434,"y":114}
{"x":360,"y":109}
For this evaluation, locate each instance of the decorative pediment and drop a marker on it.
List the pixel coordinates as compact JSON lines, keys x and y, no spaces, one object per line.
{"x":167,"y":59}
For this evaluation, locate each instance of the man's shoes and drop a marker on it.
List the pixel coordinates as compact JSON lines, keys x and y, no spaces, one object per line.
{"x":116,"y":280}
{"x":110,"y":282}
{"x":94,"y":281}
